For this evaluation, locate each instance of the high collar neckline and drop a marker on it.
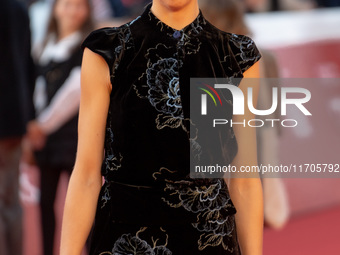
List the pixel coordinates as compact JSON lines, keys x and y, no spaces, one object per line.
{"x":195,"y":27}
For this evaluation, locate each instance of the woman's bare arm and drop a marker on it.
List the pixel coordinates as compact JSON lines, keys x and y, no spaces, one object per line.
{"x":86,"y":180}
{"x":246,"y":193}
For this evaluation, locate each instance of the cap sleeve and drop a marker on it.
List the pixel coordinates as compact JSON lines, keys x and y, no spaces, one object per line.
{"x":245,"y":51}
{"x":106,"y":42}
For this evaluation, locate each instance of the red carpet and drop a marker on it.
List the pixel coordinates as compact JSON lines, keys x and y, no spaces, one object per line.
{"x":317,"y":233}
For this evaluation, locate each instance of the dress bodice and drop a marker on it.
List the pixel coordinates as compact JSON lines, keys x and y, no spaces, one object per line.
{"x":151,"y":65}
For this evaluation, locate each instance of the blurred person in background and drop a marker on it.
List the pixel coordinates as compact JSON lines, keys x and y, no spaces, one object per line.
{"x":16,"y":109}
{"x":228,"y":16}
{"x":53,"y":132}
{"x":110,"y":13}
{"x":328,"y":3}
{"x":118,"y":9}
{"x":278,"y":5}
{"x":40,"y":12}
{"x":126,"y":8}
{"x":135,"y":7}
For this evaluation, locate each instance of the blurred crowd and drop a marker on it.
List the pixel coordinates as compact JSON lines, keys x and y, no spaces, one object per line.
{"x":277,"y":5}
{"x":119,"y":8}
{"x":40,"y":94}
{"x":107,"y":9}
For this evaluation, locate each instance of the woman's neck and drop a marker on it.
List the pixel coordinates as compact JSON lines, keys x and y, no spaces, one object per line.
{"x":174,"y":16}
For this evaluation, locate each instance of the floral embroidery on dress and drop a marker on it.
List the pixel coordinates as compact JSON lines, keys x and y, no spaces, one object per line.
{"x":247,"y":52}
{"x":105,"y":197}
{"x":195,"y":150}
{"x":160,"y":82}
{"x":125,"y":43}
{"x":112,"y":162}
{"x":162,"y":87}
{"x":128,"y":244}
{"x":208,"y":199}
{"x":214,"y":230}
{"x":165,"y":99}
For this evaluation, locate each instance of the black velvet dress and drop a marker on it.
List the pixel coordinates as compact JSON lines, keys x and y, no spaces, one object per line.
{"x":148,"y":203}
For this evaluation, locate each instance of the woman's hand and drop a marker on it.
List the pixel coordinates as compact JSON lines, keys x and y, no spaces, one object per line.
{"x":35,"y":135}
{"x":27,"y":155}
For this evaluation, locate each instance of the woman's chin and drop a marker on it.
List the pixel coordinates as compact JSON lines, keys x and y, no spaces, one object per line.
{"x":176,"y":5}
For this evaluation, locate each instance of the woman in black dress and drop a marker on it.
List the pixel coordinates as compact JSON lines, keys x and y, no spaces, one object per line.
{"x":135,"y":106}
{"x":53,"y":133}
